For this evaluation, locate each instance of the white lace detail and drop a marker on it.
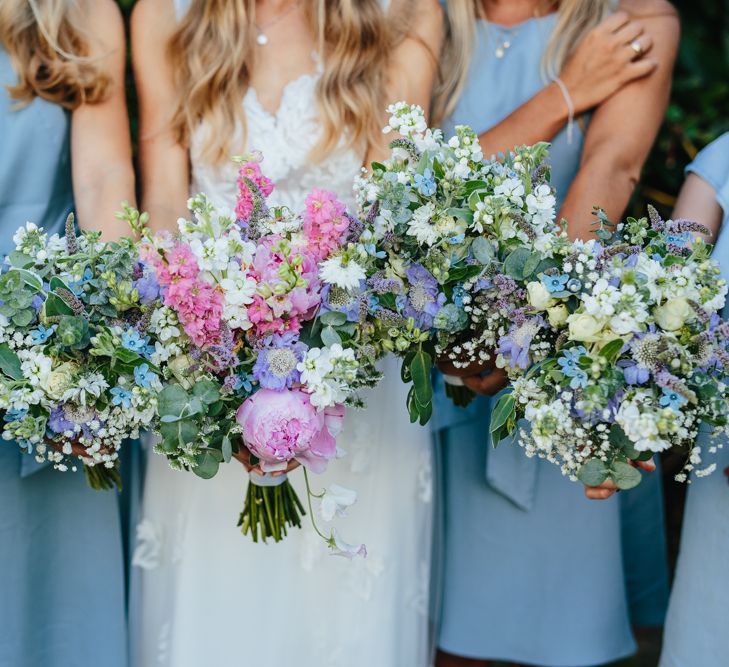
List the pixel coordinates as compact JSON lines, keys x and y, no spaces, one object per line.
{"x":286,"y":139}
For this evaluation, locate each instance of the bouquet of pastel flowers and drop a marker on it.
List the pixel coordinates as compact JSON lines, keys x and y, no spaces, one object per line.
{"x":625,"y":349}
{"x":449,"y":240}
{"x":76,"y":372}
{"x":262,"y":351}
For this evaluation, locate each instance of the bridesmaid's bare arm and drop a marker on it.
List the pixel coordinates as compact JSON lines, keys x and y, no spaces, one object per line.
{"x":414,"y":62}
{"x":101,"y":153}
{"x":623,"y":129}
{"x":697,"y":202}
{"x":163,"y":162}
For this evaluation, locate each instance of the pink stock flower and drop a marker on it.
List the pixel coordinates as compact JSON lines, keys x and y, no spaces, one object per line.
{"x":324,"y":222}
{"x":278,"y":426}
{"x":251,"y":171}
{"x":199,"y":307}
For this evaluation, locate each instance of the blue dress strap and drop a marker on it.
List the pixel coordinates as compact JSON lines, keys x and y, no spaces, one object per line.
{"x":181,"y":7}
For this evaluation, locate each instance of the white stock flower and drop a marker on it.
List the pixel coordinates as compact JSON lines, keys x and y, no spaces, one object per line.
{"x":540,"y":204}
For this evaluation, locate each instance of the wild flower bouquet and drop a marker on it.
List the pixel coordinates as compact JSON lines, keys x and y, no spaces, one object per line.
{"x":77,"y":377}
{"x":449,"y":241}
{"x":636,"y":353}
{"x":263,"y":350}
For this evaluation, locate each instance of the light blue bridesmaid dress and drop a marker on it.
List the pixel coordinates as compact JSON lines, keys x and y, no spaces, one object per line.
{"x":697,"y":626}
{"x":61,"y":557}
{"x":533,"y":571}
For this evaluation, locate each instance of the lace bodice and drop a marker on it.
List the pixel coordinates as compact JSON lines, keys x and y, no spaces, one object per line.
{"x":286,"y":139}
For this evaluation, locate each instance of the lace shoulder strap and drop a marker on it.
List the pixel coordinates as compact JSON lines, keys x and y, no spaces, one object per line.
{"x":181,"y":7}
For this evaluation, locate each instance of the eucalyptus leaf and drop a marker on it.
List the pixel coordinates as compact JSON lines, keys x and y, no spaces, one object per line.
{"x":625,"y":475}
{"x":23,"y":318}
{"x":515,"y":263}
{"x":207,"y":391}
{"x":483,"y":251}
{"x":172,"y":400}
{"x":227,"y":449}
{"x":333,"y":318}
{"x":207,"y":465}
{"x":593,"y":473}
{"x":330,"y":337}
{"x":10,"y":363}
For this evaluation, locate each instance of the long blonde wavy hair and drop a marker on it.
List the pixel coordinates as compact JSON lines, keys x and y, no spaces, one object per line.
{"x":211,"y":54}
{"x":49,"y":49}
{"x":574,"y":19}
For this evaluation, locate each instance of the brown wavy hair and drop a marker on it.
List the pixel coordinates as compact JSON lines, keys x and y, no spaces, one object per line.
{"x":213,"y":47}
{"x":574,"y":19}
{"x":50,"y":53}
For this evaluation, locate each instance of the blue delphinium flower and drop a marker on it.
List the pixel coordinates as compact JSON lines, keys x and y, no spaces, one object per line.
{"x":121,"y":396}
{"x":425,"y":183}
{"x":41,"y":334}
{"x":673,"y":400}
{"x":143,"y":376}
{"x":555,"y":284}
{"x":275,"y":367}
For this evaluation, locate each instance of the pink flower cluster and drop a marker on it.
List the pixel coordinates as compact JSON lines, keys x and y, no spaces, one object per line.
{"x":251,"y":171}
{"x":325,"y":222}
{"x":284,"y":308}
{"x":198,"y":304}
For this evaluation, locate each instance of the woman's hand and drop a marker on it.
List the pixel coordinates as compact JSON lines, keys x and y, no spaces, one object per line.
{"x":611,"y":55}
{"x":244,"y":456}
{"x":609,"y":488}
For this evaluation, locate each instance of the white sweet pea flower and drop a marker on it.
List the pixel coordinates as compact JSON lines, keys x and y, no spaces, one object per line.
{"x":335,"y":502}
{"x":341,"y":548}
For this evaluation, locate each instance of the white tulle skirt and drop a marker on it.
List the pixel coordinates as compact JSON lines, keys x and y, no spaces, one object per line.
{"x":207,"y":595}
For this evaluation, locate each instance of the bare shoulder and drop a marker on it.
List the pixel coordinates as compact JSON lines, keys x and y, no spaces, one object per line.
{"x":423,"y":19}
{"x":660,"y":12}
{"x":153,"y":19}
{"x":104,"y":21}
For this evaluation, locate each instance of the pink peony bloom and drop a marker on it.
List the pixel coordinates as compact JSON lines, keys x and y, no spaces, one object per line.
{"x":278,"y":426}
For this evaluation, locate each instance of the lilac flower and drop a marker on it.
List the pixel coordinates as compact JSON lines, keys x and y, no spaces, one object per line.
{"x":275,"y":367}
{"x":424,"y":298}
{"x":343,"y":301}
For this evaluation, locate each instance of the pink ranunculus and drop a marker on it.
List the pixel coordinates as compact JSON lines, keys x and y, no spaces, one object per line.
{"x":278,"y":426}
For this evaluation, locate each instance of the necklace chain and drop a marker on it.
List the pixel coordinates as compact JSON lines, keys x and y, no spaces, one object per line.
{"x":262,"y":37}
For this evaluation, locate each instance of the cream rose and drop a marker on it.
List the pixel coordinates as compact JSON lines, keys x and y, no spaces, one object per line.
{"x":179,"y":366}
{"x":60,"y":380}
{"x":557,"y":315}
{"x":585,"y":328}
{"x":538,"y":296}
{"x":673,"y":314}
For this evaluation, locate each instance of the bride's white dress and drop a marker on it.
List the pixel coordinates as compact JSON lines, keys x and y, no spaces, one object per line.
{"x":208,"y":596}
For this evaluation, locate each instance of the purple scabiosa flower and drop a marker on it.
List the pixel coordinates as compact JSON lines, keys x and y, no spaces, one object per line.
{"x":515,"y":345}
{"x":337,"y":299}
{"x":58,"y":422}
{"x":278,"y":357}
{"x":634,"y":373}
{"x":424,"y":298}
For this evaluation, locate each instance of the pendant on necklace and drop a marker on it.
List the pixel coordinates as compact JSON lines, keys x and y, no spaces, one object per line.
{"x":262,"y":39}
{"x":501,"y":50}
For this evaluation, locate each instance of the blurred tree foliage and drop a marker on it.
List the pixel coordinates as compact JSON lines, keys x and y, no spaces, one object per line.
{"x":699,"y":109}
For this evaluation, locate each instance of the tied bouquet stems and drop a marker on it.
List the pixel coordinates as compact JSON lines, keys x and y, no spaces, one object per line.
{"x":77,"y":377}
{"x":449,"y":240}
{"x":262,"y":350}
{"x":624,"y":350}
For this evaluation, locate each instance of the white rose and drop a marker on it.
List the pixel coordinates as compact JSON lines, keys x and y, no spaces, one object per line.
{"x":61,"y":379}
{"x":584,"y":327}
{"x":538,"y":296}
{"x":557,"y":315}
{"x":673,"y":314}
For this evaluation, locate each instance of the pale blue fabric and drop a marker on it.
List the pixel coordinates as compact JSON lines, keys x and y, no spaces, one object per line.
{"x":61,"y":558}
{"x":696,"y":627}
{"x":533,"y":571}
